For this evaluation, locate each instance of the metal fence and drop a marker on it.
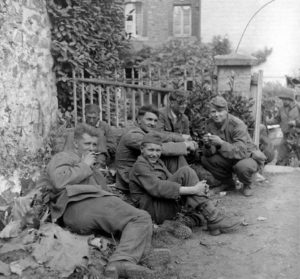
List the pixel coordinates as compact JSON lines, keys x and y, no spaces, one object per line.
{"x":118,"y":101}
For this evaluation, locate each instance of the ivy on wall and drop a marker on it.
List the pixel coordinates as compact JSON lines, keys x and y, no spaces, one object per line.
{"x":86,"y":35}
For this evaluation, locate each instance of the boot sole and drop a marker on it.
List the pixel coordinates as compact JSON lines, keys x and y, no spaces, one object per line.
{"x":233,"y":228}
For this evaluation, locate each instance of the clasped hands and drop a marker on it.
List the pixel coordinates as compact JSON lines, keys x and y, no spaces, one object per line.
{"x":212,"y":140}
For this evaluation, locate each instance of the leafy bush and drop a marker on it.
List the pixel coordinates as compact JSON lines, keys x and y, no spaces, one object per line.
{"x":87,"y":36}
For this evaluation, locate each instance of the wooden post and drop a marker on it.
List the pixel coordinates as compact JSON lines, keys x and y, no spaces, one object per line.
{"x":74,"y":96}
{"x":258,"y":98}
{"x":83,"y":97}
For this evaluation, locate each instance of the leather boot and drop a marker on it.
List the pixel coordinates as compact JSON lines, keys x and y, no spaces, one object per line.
{"x":247,"y":191}
{"x":217,"y":222}
{"x":177,"y":228}
{"x":192,"y":220}
{"x":126,"y":269}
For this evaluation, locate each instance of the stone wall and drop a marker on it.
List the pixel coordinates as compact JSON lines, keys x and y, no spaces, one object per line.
{"x":28,"y":102}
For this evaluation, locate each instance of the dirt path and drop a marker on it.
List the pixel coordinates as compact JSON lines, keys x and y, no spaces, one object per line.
{"x":262,"y":250}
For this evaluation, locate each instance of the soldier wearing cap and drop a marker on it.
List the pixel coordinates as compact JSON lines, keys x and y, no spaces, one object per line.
{"x":106,"y":140}
{"x":174,"y":146}
{"x":154,"y":189}
{"x":289,"y":119}
{"x":172,"y":117}
{"x":229,"y":148}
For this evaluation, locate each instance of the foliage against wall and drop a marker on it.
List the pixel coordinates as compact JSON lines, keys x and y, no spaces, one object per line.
{"x":86,"y":35}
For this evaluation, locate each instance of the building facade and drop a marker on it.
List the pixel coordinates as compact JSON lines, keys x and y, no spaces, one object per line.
{"x":153,"y":22}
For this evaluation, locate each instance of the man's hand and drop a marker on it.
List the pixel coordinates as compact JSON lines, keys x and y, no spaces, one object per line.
{"x":191,"y":145}
{"x":292,"y":123}
{"x":89,"y":158}
{"x":187,"y":137}
{"x":201,"y":188}
{"x":215,"y":140}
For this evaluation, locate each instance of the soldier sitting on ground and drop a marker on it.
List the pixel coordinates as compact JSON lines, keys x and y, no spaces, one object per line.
{"x":172,"y":117}
{"x":174,"y":146}
{"x":106,"y":141}
{"x":154,"y":189}
{"x":229,"y":148}
{"x":79,"y":198}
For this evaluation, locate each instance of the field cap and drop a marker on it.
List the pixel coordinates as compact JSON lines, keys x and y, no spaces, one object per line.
{"x":219,"y":102}
{"x":152,"y":138}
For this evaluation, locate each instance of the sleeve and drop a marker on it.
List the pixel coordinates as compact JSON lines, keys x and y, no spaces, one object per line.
{"x":186,"y":125}
{"x":174,"y":149}
{"x":238,"y":148}
{"x":111,"y":142}
{"x":171,"y":137}
{"x":64,"y":171}
{"x":153,"y":185}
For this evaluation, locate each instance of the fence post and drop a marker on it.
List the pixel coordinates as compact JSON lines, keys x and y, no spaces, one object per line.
{"x":100,"y":101}
{"x":92,"y":93}
{"x":108,"y":104}
{"x":83,"y":97}
{"x":133,"y":104}
{"x":74,"y":96}
{"x":258,"y":98}
{"x":117,"y":105}
{"x":125,"y":105}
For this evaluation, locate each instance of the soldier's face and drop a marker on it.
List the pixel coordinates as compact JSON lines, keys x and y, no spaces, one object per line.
{"x":151,"y":152}
{"x":218,"y":115}
{"x":148,"y":121}
{"x":286,"y":102}
{"x":86,"y":144}
{"x":92,"y":118}
{"x":178,"y":107}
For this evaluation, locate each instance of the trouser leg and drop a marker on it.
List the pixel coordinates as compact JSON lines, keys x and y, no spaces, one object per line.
{"x":111,"y":214}
{"x":283,"y":153}
{"x":220,"y":167}
{"x":186,"y":176}
{"x":174,"y":163}
{"x":245,"y":169}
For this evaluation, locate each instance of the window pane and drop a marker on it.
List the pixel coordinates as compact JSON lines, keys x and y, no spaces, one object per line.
{"x":182,"y":20}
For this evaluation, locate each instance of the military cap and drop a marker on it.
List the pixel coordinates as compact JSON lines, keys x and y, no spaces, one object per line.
{"x":152,"y":138}
{"x":219,"y":102}
{"x":92,"y":108}
{"x":286,"y":95}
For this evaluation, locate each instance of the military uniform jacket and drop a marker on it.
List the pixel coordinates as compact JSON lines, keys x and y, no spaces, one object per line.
{"x":287,"y":114}
{"x":151,"y":190}
{"x":169,"y":124}
{"x":237,"y":141}
{"x":129,"y":149}
{"x":72,"y":180}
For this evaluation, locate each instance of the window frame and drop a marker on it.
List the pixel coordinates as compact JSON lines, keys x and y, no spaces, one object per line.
{"x":182,"y":24}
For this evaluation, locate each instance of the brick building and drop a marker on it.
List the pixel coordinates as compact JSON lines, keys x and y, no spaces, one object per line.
{"x":153,"y":22}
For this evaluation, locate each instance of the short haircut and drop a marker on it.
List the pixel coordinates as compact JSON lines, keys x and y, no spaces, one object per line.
{"x":148,"y":108}
{"x":178,"y":96}
{"x":83,"y":128}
